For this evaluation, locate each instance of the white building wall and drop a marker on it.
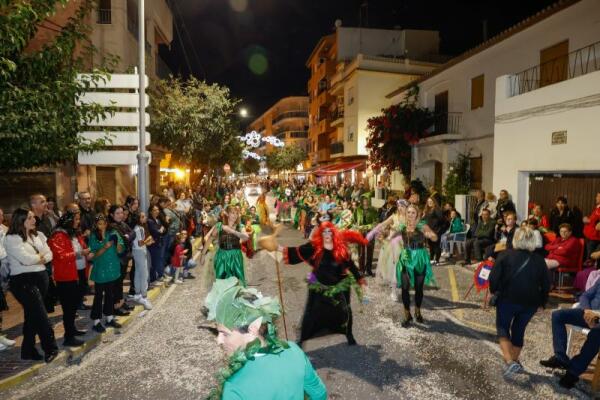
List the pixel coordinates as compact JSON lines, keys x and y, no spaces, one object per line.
{"x":523,"y":139}
{"x":579,"y":23}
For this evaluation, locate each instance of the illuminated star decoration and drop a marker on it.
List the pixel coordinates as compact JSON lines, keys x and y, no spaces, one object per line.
{"x":253,"y":139}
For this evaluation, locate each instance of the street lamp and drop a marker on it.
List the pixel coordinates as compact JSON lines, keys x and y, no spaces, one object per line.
{"x":243,"y":112}
{"x":142,"y":155}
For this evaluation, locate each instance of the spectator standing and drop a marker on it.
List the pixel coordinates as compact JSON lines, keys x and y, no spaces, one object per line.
{"x":491,"y":204}
{"x":4,"y":341}
{"x":561,"y":214}
{"x":27,"y":253}
{"x":504,"y":205}
{"x":156,"y":228}
{"x":52,"y":211}
{"x":84,"y":200}
{"x":433,"y":216}
{"x":174,"y":227}
{"x":520,"y":281}
{"x":479,"y":206}
{"x":117,"y":223}
{"x":101,"y":206}
{"x":44,"y":225}
{"x":69,"y":253}
{"x":105,"y":243}
{"x":140,"y":257}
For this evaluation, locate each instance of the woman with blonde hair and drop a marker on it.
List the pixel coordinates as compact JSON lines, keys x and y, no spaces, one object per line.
{"x":520,"y":284}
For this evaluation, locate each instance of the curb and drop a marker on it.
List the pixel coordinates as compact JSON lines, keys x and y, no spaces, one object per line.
{"x":68,"y":354}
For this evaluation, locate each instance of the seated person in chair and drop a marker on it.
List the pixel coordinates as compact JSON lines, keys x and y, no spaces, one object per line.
{"x":564,"y":250}
{"x":483,"y":237}
{"x":504,"y":236}
{"x":583,"y":316}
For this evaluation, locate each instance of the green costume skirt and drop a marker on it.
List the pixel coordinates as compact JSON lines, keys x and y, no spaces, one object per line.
{"x":257,"y":230}
{"x":414,"y":261}
{"x":230,"y":263}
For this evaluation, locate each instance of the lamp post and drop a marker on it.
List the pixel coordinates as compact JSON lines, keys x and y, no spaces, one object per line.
{"x":142,"y":155}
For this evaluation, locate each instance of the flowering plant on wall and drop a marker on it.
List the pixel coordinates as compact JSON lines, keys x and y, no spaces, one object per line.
{"x":395,"y":131}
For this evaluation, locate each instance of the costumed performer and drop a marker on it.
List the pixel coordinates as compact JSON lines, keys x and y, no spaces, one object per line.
{"x":229,"y":260}
{"x":261,"y":366}
{"x":414,"y":266}
{"x":263,"y":210}
{"x":333,"y":275}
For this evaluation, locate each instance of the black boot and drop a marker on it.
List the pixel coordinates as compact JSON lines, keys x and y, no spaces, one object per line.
{"x":553,"y":363}
{"x":418,"y":315}
{"x":568,"y":380}
{"x":407,"y":318}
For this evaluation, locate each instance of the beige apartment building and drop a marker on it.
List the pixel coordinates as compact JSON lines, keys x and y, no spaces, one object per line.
{"x":114,"y":31}
{"x":287,"y":120}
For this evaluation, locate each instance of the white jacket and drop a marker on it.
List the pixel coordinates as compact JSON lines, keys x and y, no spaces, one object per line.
{"x":23,"y":256}
{"x":3,"y":231}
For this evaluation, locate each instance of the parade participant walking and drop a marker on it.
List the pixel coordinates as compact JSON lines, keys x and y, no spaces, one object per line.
{"x":105,"y":244}
{"x":520,"y":283}
{"x":27,"y":253}
{"x":261,"y":366}
{"x":263,"y":210}
{"x":333,"y":275}
{"x":414,"y":266}
{"x":69,"y":254}
{"x":229,"y":260}
{"x":365,"y":218}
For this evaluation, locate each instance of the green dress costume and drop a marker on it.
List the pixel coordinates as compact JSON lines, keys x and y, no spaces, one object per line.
{"x":107,"y":267}
{"x":414,"y":256}
{"x":229,"y":260}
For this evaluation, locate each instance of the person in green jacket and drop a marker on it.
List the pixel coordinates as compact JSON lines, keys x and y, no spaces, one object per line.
{"x":365,"y":218}
{"x":456,"y":232}
{"x":105,"y":244}
{"x":261,"y":366}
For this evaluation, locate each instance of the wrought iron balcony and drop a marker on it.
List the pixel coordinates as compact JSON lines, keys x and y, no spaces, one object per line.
{"x":446,"y":123}
{"x":104,"y":16}
{"x":579,"y":62}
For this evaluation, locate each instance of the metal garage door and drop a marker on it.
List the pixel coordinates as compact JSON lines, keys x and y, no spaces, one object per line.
{"x":580,"y":190}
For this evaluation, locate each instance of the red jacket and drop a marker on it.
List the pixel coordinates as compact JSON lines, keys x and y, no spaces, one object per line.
{"x":589,"y":230}
{"x":178,"y":255}
{"x":566,"y":252}
{"x":63,"y":256}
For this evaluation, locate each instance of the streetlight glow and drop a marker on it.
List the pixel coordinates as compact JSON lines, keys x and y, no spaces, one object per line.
{"x":243,"y":112}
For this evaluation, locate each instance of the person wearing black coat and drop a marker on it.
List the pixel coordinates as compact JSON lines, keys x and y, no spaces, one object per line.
{"x":504,"y":205}
{"x":434,"y":218}
{"x":562,"y":214}
{"x":520,"y":283}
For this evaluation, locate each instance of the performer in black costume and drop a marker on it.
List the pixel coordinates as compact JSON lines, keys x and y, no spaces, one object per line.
{"x":333,"y":276}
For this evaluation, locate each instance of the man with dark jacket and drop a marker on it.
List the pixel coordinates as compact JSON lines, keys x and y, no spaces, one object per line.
{"x":505,"y":205}
{"x":586,"y":315}
{"x":365,"y":218}
{"x":479,"y":206}
{"x":483,"y":237}
{"x":86,"y":212}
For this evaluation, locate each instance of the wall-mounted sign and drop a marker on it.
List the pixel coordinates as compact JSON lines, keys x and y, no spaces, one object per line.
{"x":559,"y":137}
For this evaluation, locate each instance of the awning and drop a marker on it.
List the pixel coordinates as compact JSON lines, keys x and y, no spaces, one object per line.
{"x":335,"y":169}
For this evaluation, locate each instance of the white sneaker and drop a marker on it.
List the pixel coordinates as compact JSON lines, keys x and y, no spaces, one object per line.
{"x":3,"y":347}
{"x":137,"y":298}
{"x":146,"y":303}
{"x":6,"y":341}
{"x":178,"y":281}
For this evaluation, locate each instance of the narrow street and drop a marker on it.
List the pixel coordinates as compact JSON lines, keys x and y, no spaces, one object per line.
{"x":164,"y":354}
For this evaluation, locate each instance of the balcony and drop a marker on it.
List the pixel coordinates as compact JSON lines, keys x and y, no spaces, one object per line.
{"x":324,"y":99}
{"x":298,"y":134}
{"x":337,"y":117}
{"x":104,"y":16}
{"x":290,"y":114}
{"x":336,"y":148}
{"x":446,"y":123}
{"x":577,"y":63}
{"x":323,"y":126}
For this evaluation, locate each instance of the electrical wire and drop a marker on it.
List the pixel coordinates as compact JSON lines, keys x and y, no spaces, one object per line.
{"x":194,"y":52}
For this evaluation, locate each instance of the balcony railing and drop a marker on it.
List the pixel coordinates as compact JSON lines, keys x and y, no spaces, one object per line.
{"x":336,"y":148}
{"x":290,"y":114}
{"x":298,"y":134}
{"x":104,"y":16}
{"x":446,"y":123}
{"x":336,"y":114}
{"x":576,"y":63}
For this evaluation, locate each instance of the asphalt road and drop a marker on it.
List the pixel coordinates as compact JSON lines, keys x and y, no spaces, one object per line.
{"x":164,"y":355}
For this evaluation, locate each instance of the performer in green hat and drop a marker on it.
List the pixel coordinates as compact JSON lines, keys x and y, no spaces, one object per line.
{"x":261,"y":366}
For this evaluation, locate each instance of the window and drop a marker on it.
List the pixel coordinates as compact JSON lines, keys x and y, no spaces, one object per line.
{"x":104,"y":12}
{"x":132,"y":17}
{"x":350,"y":96}
{"x":351,"y":134}
{"x":554,"y":63}
{"x":441,"y":111}
{"x":477,"y":89}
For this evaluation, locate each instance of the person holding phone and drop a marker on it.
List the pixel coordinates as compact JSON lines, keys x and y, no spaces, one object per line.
{"x":105,"y":244}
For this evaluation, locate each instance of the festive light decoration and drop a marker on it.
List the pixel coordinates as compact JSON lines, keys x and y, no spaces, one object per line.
{"x":253,"y":140}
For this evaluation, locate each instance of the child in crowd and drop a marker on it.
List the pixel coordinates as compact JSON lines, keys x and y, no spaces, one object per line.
{"x":178,"y":258}
{"x":140,"y":257}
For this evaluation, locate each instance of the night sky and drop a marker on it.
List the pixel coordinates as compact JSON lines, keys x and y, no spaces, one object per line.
{"x":224,"y":39}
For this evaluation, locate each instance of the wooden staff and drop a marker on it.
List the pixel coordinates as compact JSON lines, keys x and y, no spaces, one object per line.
{"x":281,"y":296}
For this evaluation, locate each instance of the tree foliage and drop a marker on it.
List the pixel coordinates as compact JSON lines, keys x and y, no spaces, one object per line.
{"x":285,"y":158}
{"x":250,"y":166}
{"x":39,"y":115}
{"x":458,"y":180}
{"x":393,"y":133}
{"x":195,"y":121}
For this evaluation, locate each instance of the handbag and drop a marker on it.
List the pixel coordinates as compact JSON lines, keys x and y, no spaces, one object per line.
{"x":496,"y":296}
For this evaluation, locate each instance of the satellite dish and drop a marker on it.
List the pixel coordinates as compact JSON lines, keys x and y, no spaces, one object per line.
{"x":338,"y":23}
